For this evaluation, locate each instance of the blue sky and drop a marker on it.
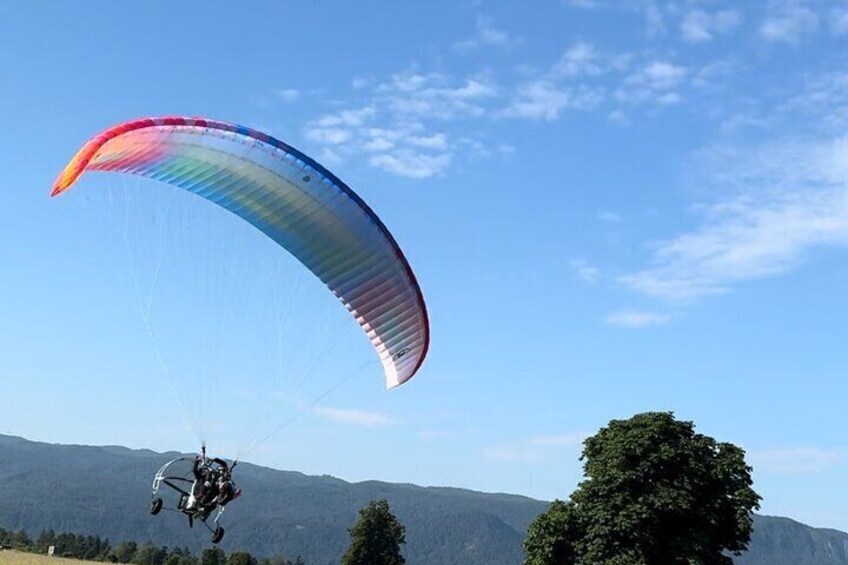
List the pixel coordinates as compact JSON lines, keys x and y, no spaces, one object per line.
{"x":611,"y":208}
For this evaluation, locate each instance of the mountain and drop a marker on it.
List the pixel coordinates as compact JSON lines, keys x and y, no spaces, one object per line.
{"x":105,"y":491}
{"x":781,"y":541}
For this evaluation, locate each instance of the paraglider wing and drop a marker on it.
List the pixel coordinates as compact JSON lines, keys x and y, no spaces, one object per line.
{"x":294,"y":201}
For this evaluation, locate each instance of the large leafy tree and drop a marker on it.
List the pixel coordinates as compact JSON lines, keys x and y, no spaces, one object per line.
{"x":655,"y":493}
{"x":553,"y":537}
{"x":376,"y":537}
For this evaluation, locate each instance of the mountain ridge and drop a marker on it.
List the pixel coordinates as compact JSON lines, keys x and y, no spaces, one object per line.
{"x":105,"y":491}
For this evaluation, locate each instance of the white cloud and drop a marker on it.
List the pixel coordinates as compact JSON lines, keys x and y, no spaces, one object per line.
{"x":350,"y":118}
{"x":565,"y":440}
{"x":409,"y":163}
{"x":618,"y":117}
{"x":435,"y":141}
{"x":433,"y":435}
{"x":710,"y":75}
{"x":328,"y":135}
{"x":784,"y":200}
{"x":654,"y":19}
{"x":609,"y":216}
{"x":658,"y":75}
{"x":794,"y":461}
{"x":288,"y":94}
{"x":584,"y":271}
{"x":700,"y":26}
{"x":538,"y":100}
{"x":409,"y":81}
{"x":533,"y":449}
{"x":430,"y":97}
{"x":378,"y":144}
{"x":329,"y":157}
{"x":393,"y":130}
{"x":544,"y":100}
{"x":586,"y":4}
{"x":823,"y":103}
{"x":839,"y":20}
{"x":486,"y":35}
{"x":788,"y":21}
{"x":656,"y":82}
{"x":636,"y":319}
{"x":669,"y":98}
{"x":580,"y":59}
{"x":355,"y":417}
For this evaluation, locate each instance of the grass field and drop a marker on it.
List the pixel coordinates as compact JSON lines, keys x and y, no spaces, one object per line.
{"x":18,"y":558}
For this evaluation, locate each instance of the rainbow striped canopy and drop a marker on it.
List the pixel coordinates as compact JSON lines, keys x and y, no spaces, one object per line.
{"x":293,"y":200}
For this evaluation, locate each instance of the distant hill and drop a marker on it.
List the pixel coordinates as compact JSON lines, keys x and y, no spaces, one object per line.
{"x":781,"y":541}
{"x":105,"y":491}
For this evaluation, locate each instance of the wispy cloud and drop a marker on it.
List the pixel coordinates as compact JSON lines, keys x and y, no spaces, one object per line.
{"x":636,"y":319}
{"x":584,"y":271}
{"x":533,"y":449}
{"x":784,"y":200}
{"x":564,"y":440}
{"x":580,"y":59}
{"x":609,"y":216}
{"x":486,"y":34}
{"x":788,"y":21}
{"x":431,"y":95}
{"x":795,"y":461}
{"x":409,"y":163}
{"x":433,"y":435}
{"x":400,"y":129}
{"x":618,"y":117}
{"x":288,"y":94}
{"x":822,"y":104}
{"x":354,"y":417}
{"x":587,"y":4}
{"x":656,"y":83}
{"x":545,"y":100}
{"x":699,"y":26}
{"x":585,"y":78}
{"x":839,"y":20}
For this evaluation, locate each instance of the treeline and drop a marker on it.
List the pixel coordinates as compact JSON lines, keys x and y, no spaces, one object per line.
{"x":94,"y":548}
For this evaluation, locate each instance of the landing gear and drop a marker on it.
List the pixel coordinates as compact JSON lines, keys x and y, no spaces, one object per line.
{"x":183,"y":477}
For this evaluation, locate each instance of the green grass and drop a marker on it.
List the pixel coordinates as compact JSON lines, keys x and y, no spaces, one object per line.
{"x":19,"y":558}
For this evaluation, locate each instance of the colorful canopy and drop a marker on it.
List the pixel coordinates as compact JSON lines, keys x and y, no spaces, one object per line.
{"x":293,"y":200}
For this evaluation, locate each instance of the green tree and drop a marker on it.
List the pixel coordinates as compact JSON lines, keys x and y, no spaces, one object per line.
{"x":553,"y":536}
{"x":180,"y":556}
{"x":213,"y":556}
{"x":655,"y":493}
{"x":376,"y":537}
{"x":20,"y":540}
{"x":123,"y":552}
{"x":150,"y":554}
{"x":242,"y":558}
{"x":658,"y":491}
{"x":45,"y":540}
